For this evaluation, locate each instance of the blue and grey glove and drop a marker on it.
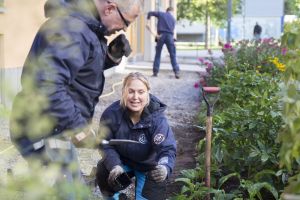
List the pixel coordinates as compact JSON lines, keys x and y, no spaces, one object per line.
{"x":113,"y":174}
{"x":159,"y":174}
{"x":119,"y":47}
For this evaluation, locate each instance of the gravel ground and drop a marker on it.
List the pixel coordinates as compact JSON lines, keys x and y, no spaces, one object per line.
{"x":183,"y":104}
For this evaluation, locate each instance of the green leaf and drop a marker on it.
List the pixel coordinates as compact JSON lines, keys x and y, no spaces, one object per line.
{"x":185,"y":180}
{"x":264,"y":173}
{"x":225,"y":178}
{"x":254,"y":190}
{"x":264,"y":157}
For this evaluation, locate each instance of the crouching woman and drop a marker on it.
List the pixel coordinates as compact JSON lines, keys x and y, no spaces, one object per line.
{"x":150,"y":153}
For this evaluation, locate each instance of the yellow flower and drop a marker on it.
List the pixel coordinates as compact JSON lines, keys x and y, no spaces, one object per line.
{"x":258,"y":67}
{"x":280,"y":66}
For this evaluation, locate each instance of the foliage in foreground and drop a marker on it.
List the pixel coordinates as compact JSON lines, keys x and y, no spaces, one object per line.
{"x":37,"y":182}
{"x":290,"y":134}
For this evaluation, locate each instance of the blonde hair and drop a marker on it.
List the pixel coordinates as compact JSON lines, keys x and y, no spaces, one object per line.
{"x":133,"y":76}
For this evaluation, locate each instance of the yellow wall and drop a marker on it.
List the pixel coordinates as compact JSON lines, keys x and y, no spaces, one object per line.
{"x":18,"y":25}
{"x":22,"y":18}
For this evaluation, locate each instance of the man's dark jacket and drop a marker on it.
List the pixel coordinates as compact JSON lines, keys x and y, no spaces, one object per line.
{"x":65,"y":66}
{"x":158,"y":145}
{"x":166,"y":22}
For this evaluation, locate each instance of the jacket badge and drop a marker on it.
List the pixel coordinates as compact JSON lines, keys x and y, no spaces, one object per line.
{"x":142,"y":139}
{"x":159,"y":138}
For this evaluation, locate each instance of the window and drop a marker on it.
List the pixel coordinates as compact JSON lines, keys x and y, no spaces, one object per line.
{"x":1,"y":6}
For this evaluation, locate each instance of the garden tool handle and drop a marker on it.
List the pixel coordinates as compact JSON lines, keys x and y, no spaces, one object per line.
{"x":210,"y":105}
{"x":211,"y":90}
{"x":208,"y":151}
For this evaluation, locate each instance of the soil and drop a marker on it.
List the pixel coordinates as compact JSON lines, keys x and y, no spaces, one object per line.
{"x":183,"y":103}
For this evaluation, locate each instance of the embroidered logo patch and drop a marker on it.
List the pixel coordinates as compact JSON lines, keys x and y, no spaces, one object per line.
{"x":159,"y":138}
{"x":142,"y":139}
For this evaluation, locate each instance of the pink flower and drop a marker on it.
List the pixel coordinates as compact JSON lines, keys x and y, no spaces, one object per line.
{"x":208,"y":69}
{"x":209,"y":65}
{"x":196,"y":85}
{"x":227,"y":46}
{"x":202,"y":82}
{"x":201,"y":60}
{"x":283,"y":51}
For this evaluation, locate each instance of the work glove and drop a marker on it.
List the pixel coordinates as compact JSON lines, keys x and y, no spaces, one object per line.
{"x":157,"y":37}
{"x":119,"y":47}
{"x":86,"y":138}
{"x":113,"y":174}
{"x":159,"y":174}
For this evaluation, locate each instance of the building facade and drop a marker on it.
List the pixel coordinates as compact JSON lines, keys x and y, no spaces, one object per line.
{"x":269,"y":14}
{"x":20,"y":21}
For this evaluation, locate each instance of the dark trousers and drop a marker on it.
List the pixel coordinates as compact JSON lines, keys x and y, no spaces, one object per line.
{"x":145,"y":188}
{"x":166,"y":38}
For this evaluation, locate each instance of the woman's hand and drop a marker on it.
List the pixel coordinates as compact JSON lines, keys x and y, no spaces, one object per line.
{"x":114,"y":173}
{"x":159,"y":174}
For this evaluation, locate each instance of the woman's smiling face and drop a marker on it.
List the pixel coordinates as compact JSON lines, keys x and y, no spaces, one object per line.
{"x":137,"y":96}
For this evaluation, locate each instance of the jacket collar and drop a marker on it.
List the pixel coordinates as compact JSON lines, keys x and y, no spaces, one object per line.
{"x":85,"y":10}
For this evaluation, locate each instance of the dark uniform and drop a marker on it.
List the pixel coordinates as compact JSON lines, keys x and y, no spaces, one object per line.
{"x":165,"y":28}
{"x":62,"y":79}
{"x":66,"y":64}
{"x":257,"y":31}
{"x":157,"y":146}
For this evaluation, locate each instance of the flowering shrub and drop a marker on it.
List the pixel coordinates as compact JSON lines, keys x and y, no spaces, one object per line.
{"x":247,"y":119}
{"x":262,"y":56}
{"x":253,"y":55}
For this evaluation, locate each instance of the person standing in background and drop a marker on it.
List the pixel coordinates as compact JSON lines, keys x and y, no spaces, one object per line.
{"x":165,"y":35}
{"x":257,"y":31}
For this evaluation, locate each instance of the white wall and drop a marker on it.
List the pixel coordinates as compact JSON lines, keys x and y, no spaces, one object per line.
{"x":268,"y":14}
{"x":243,"y":28}
{"x":264,"y":8}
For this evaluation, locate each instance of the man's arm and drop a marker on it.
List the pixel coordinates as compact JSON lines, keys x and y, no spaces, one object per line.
{"x":152,"y":14}
{"x":58,"y":64}
{"x":148,"y":25}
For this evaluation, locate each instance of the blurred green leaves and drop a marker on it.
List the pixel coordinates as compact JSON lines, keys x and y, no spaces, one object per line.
{"x":195,"y":10}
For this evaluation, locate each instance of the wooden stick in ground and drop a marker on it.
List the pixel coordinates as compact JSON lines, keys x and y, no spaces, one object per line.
{"x":210,"y":107}
{"x":208,"y":153}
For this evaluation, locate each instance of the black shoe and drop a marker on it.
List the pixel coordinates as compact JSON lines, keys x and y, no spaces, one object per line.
{"x":154,"y":75}
{"x":177,"y":75}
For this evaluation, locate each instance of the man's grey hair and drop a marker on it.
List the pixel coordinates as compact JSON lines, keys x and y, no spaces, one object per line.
{"x":126,"y":5}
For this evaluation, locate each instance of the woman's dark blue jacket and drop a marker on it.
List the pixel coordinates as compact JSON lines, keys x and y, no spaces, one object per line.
{"x":158,"y":145}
